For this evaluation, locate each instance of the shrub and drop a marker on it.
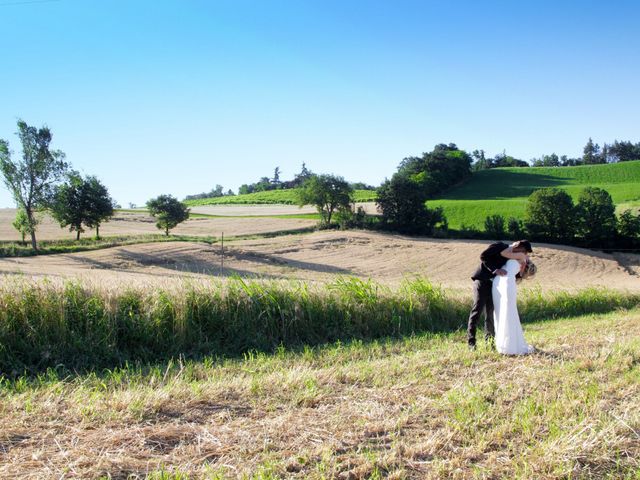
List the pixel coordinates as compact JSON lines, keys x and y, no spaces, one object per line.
{"x":550,"y":216}
{"x":595,"y":217}
{"x":494,"y":227}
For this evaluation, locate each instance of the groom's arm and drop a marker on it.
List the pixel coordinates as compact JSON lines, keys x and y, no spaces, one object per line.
{"x":510,"y":254}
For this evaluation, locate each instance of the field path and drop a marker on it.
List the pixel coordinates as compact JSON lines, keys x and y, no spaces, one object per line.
{"x":323,"y":255}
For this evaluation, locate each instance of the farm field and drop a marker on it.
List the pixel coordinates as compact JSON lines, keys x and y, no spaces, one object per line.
{"x":320,"y":257}
{"x":504,"y":191}
{"x":287,"y":197}
{"x":140,"y":223}
{"x":422,"y":407}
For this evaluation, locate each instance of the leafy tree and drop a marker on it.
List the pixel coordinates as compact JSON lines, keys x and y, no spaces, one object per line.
{"x":629,"y":228}
{"x":402,"y":203}
{"x":168,"y":211}
{"x":81,"y":201}
{"x":327,"y":193}
{"x":22,"y":224}
{"x":99,"y":204}
{"x":624,"y":151}
{"x":550,"y":216}
{"x":276,"y":178}
{"x":595,"y":217}
{"x":494,"y":226}
{"x":68,"y":205}
{"x":591,"y":153}
{"x":32,"y":179}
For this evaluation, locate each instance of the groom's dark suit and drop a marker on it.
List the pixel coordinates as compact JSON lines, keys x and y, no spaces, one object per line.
{"x":491,"y":260}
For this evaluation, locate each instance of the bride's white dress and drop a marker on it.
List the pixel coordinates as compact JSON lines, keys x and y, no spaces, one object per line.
{"x":509,"y":337}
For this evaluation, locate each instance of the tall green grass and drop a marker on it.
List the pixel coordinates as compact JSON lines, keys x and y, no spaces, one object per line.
{"x":43,"y":325}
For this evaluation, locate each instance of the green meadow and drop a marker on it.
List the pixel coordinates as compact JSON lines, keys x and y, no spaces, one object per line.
{"x":287,"y":197}
{"x":504,"y":191}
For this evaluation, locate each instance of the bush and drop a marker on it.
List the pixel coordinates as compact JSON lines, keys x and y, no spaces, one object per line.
{"x":595,"y":218}
{"x":515,"y":228}
{"x":494,"y":227}
{"x":550,"y":216}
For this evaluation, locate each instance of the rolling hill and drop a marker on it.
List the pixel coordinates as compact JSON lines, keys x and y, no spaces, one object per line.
{"x":504,"y":191}
{"x":287,"y":197}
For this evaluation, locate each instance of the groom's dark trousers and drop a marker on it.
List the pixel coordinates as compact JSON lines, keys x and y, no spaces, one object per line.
{"x":490,"y":260}
{"x":482,"y":302}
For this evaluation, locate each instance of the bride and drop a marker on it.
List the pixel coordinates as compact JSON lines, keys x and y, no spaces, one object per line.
{"x":509,"y":337}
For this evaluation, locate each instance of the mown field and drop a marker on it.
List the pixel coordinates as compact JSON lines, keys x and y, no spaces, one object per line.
{"x":287,"y":197}
{"x":368,"y":406}
{"x":504,"y":191}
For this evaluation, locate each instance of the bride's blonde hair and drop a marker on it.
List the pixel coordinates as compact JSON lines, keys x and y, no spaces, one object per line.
{"x":530,"y":270}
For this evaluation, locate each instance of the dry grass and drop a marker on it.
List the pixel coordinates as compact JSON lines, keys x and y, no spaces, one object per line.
{"x":423,"y":407}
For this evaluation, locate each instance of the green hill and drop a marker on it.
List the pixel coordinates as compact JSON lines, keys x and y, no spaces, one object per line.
{"x":504,"y":191}
{"x":287,"y":197}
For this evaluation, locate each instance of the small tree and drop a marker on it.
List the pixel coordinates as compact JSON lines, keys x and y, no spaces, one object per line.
{"x":515,"y":228}
{"x":327,"y":193}
{"x":595,"y":217}
{"x":629,"y":228}
{"x":99,"y":206}
{"x":402,"y":203}
{"x":81,"y":201}
{"x":22,"y":225}
{"x":494,"y":227}
{"x":168,"y":211}
{"x":550,"y":216}
{"x":32,"y":179}
{"x":68,"y":204}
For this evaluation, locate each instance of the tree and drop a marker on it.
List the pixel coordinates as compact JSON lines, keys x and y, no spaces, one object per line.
{"x":624,"y":151}
{"x":168,"y":211}
{"x":591,"y":153}
{"x":21,"y":224}
{"x":81,"y":201}
{"x":629,"y":228}
{"x":327,"y":193}
{"x":276,"y":178}
{"x":494,"y":227}
{"x":100,"y":205}
{"x":31,"y":180}
{"x":68,"y":205}
{"x":402,"y":203}
{"x":550,"y":216}
{"x":595,"y":217}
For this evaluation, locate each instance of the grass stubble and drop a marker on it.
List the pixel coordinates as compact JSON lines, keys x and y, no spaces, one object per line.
{"x":418,"y":406}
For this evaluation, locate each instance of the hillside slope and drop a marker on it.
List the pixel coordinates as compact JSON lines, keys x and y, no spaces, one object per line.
{"x":504,"y":191}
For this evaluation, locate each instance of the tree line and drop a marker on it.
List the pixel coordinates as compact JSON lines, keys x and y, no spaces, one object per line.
{"x":593,"y":154}
{"x":43,"y":181}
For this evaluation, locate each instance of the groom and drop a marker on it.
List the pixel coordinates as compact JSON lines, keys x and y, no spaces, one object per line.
{"x":491,"y":262}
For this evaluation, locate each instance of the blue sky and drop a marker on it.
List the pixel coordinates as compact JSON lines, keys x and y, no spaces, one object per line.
{"x":175,"y":96}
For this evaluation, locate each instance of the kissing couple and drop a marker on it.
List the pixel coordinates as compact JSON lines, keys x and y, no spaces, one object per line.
{"x":495,"y":293}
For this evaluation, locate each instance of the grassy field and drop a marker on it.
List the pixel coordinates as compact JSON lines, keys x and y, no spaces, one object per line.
{"x":287,"y":197}
{"x":504,"y":191}
{"x":420,"y":407}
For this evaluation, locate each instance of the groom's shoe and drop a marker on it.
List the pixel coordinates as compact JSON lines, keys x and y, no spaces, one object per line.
{"x":472,"y":346}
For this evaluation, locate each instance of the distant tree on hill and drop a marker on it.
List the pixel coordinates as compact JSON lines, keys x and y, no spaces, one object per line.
{"x":595,"y":217}
{"x":276,"y":178}
{"x":550,"y":216}
{"x":592,"y":153}
{"x":31,"y":180}
{"x":327,"y":193}
{"x":168,"y":211}
{"x":624,"y":151}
